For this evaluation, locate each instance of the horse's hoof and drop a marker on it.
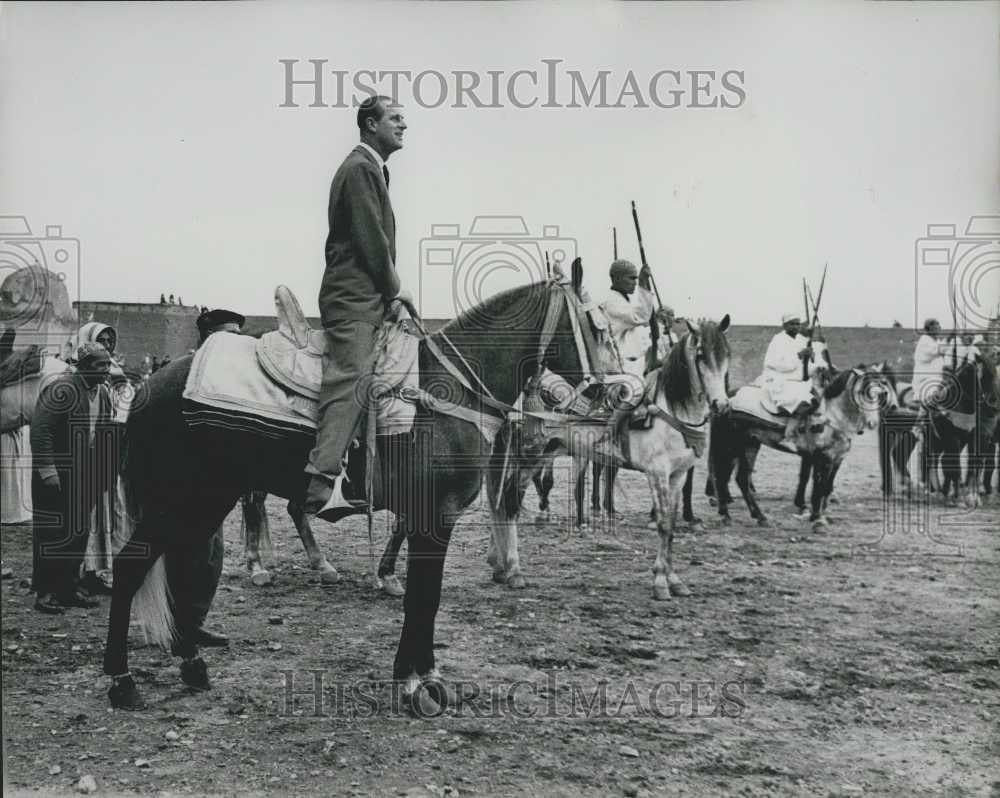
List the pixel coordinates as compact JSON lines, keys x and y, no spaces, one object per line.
{"x":803,"y":514}
{"x":713,"y":502}
{"x":260,"y":578}
{"x":654,"y":525}
{"x":833,"y":499}
{"x":445,"y":694}
{"x":391,"y":586}
{"x":763,"y":522}
{"x":517,"y":582}
{"x":726,"y":521}
{"x":661,"y":592}
{"x":125,"y":695}
{"x":696,"y":525}
{"x":542,"y":518}
{"x":421,"y":703}
{"x":500,"y":577}
{"x":328,"y":575}
{"x":677,"y":588}
{"x":194,"y":673}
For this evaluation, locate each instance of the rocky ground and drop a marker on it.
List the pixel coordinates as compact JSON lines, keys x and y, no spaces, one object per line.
{"x":863,"y":660}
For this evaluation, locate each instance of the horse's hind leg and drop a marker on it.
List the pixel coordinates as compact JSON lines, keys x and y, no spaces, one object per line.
{"x":688,"y":514}
{"x":257,"y":532}
{"x":131,"y":567}
{"x":743,"y":479}
{"x":387,"y":565}
{"x":544,"y":480}
{"x":317,"y":560}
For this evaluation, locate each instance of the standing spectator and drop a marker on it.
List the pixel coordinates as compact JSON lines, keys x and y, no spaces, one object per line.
{"x":163,"y":300}
{"x":171,"y":300}
{"x":72,"y":459}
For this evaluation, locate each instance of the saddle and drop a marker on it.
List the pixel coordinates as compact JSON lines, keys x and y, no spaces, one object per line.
{"x":292,"y":355}
{"x":755,"y":401}
{"x":21,"y":364}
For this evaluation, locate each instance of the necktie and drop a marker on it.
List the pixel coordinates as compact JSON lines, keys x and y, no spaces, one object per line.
{"x":385,"y":174}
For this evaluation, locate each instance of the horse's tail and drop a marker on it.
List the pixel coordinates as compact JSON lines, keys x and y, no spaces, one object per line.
{"x":152,"y":606}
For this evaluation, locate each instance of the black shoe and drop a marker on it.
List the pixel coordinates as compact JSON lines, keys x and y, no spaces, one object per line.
{"x":77,"y":599}
{"x":94,"y":585}
{"x":194,"y":673}
{"x":205,"y":638}
{"x":48,"y":604}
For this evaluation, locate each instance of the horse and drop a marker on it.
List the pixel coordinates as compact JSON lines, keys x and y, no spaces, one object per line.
{"x":257,"y":538}
{"x":850,"y":403}
{"x":681,"y":395}
{"x":544,"y":479}
{"x":183,"y":480}
{"x":964,"y":419}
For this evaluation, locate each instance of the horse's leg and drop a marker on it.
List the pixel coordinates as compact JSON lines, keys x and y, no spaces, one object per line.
{"x":579,"y":482}
{"x":544,"y":480}
{"x":505,"y":508}
{"x":800,"y":491}
{"x":744,"y":474}
{"x":387,"y":565}
{"x":131,"y":567}
{"x":666,"y":490}
{"x":415,"y":666}
{"x":256,"y":531}
{"x":303,"y":525}
{"x":693,"y":521}
{"x":596,"y":467}
{"x":821,"y":486}
{"x":610,"y":478}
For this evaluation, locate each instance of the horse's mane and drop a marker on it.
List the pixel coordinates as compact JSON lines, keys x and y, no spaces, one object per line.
{"x":836,"y":388}
{"x":511,"y":308}
{"x":674,"y":379}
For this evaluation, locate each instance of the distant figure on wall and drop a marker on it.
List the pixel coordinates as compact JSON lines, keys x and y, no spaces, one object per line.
{"x":180,"y":301}
{"x":171,"y":300}
{"x":163,"y":300}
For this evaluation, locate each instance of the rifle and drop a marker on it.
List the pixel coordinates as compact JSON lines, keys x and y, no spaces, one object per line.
{"x":654,"y":325}
{"x":805,"y":301}
{"x":548,"y":266}
{"x":614,"y":242}
{"x":815,"y":322}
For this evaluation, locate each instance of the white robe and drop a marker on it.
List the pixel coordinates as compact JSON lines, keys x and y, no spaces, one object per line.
{"x":628,"y":325}
{"x":928,"y":365}
{"x":15,"y":476}
{"x":782,"y":376}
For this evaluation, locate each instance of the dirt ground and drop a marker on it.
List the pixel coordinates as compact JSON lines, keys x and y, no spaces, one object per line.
{"x":859,"y":661}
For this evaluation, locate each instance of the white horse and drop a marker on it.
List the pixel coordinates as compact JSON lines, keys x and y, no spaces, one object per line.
{"x":680,"y":397}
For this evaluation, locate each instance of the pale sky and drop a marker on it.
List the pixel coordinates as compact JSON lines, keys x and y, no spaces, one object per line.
{"x":154,"y":135}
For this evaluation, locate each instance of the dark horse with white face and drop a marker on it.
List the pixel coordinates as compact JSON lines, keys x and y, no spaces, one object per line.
{"x":182,"y":482}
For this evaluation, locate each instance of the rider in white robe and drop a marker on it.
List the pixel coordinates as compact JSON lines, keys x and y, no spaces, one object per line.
{"x":928,"y":363}
{"x":629,"y":306}
{"x":782,"y":376}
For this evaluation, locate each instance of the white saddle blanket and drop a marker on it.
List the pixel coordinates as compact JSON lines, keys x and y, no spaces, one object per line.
{"x":757,"y":402}
{"x":227,"y":373}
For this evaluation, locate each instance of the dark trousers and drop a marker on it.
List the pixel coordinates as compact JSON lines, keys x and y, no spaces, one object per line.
{"x":343,"y":395}
{"x":59,"y":533}
{"x":193,"y":573}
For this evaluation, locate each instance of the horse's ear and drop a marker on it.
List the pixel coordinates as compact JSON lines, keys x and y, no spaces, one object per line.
{"x":724,"y":324}
{"x":576,"y":275}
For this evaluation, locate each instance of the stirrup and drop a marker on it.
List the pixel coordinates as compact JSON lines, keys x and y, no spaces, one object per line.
{"x":338,"y":501}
